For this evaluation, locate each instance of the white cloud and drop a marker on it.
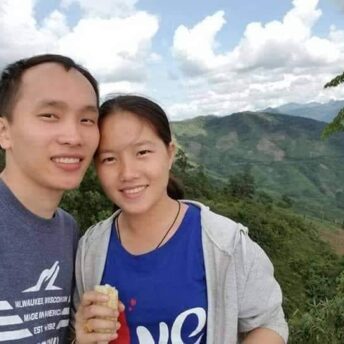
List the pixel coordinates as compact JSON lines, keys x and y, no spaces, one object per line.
{"x":114,"y":48}
{"x":194,"y":47}
{"x":108,"y":88}
{"x":104,"y":8}
{"x":55,"y":23}
{"x":273,"y":63}
{"x":20,"y":34}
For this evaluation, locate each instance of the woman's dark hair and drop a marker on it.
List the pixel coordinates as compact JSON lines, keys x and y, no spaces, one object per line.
{"x":153,"y":114}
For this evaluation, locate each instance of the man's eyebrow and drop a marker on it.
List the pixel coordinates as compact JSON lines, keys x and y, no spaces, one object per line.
{"x":51,"y":103}
{"x":90,"y":108}
{"x":62,"y":105}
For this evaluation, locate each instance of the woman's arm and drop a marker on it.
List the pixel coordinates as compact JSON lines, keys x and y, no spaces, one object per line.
{"x":262,"y":336}
{"x":260,"y":307}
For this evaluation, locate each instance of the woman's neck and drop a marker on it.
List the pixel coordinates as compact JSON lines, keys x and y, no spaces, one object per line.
{"x":141,"y":233}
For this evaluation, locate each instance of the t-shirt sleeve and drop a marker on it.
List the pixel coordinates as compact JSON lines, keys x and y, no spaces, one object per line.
{"x":261,"y":297}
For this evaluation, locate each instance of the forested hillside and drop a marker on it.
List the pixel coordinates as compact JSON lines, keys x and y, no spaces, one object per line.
{"x":285,"y":154}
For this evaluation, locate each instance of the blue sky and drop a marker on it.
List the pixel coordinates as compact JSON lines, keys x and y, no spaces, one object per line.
{"x":193,"y":57}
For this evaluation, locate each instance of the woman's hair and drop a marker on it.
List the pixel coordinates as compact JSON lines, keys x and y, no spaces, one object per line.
{"x":151,"y":113}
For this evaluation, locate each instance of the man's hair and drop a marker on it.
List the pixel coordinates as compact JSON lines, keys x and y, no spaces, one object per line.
{"x":11,"y":76}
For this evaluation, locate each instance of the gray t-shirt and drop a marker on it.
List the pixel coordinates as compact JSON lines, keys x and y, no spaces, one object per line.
{"x":36,"y":273}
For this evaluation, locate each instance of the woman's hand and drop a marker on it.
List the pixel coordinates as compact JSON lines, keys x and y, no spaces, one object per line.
{"x":95,"y":322}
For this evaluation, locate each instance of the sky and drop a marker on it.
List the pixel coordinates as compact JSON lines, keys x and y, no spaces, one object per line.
{"x":193,"y":57}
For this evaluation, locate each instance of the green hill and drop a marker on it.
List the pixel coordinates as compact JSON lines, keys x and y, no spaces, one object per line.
{"x":285,"y":154}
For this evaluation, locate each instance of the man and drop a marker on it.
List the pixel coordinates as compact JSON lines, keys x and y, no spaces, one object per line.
{"x":49,"y":132}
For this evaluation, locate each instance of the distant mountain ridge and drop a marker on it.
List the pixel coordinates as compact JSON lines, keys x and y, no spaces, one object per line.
{"x":285,"y":153}
{"x":321,"y":112}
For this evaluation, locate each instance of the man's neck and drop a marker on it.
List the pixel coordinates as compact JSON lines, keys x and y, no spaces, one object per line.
{"x":39,"y":201}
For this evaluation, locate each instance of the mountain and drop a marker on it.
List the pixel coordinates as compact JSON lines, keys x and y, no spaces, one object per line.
{"x":318,"y":111}
{"x":285,"y":154}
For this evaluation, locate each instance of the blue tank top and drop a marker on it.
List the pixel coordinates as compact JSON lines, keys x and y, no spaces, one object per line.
{"x":164,"y":291}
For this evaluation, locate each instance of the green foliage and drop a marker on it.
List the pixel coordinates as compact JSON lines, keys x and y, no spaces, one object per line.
{"x":337,"y":125}
{"x":286,"y":201}
{"x":181,"y":161}
{"x":323,"y":322}
{"x":335,"y":81}
{"x":195,"y":179}
{"x":87,"y":204}
{"x":2,"y":159}
{"x":241,"y":185}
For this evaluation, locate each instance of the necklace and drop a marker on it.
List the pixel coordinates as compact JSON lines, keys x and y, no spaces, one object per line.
{"x":165,"y":235}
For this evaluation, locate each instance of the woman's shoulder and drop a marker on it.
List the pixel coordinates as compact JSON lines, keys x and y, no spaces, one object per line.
{"x":220,"y":230}
{"x":97,"y":231}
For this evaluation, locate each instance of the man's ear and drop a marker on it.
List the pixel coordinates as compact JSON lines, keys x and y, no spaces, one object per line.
{"x":171,"y":152}
{"x":5,"y":141}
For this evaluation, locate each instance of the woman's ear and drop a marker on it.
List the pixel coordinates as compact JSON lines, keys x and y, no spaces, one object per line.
{"x":5,"y":141}
{"x":171,"y":149}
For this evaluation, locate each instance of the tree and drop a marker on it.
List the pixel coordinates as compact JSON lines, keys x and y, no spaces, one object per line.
{"x":2,"y":159}
{"x":87,"y":204}
{"x":337,"y":124}
{"x":242,"y":185}
{"x":181,"y":161}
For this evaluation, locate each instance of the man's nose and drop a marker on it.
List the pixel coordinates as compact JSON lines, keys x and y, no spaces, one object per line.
{"x":70,"y":134}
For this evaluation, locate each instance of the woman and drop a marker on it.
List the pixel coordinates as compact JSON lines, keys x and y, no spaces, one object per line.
{"x":184,"y":273}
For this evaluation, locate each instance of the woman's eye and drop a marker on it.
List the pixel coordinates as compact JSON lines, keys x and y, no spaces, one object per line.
{"x":107,"y":160}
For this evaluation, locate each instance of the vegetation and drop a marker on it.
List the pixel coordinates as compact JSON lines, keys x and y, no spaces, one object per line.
{"x":338,"y":123}
{"x":285,"y":154}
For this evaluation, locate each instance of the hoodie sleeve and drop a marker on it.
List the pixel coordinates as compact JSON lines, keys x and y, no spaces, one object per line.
{"x":261,"y":297}
{"x":79,"y":286}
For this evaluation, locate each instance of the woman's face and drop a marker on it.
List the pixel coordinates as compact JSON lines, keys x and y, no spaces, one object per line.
{"x":132,"y":162}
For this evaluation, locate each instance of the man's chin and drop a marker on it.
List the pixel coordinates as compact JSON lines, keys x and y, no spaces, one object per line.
{"x":69,"y":186}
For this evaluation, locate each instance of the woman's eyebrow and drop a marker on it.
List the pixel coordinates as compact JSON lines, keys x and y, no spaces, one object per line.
{"x":143,"y":143}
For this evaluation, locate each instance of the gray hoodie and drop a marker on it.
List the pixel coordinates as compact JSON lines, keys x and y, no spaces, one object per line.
{"x":242,"y":291}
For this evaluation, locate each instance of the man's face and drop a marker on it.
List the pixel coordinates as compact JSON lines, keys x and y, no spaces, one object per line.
{"x":53,"y":132}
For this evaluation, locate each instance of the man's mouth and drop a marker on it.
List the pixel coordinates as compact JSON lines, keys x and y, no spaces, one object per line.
{"x":67,"y":160}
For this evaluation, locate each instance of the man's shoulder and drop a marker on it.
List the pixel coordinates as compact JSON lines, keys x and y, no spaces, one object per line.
{"x":66,"y":220}
{"x":65,"y":215}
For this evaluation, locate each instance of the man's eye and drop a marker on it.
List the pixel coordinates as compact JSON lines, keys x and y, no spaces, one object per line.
{"x":88,"y":121}
{"x":143,"y":152}
{"x":48,"y":115}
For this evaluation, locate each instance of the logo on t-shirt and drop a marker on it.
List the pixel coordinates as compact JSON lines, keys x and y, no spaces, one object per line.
{"x":41,"y":315}
{"x":46,"y":280}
